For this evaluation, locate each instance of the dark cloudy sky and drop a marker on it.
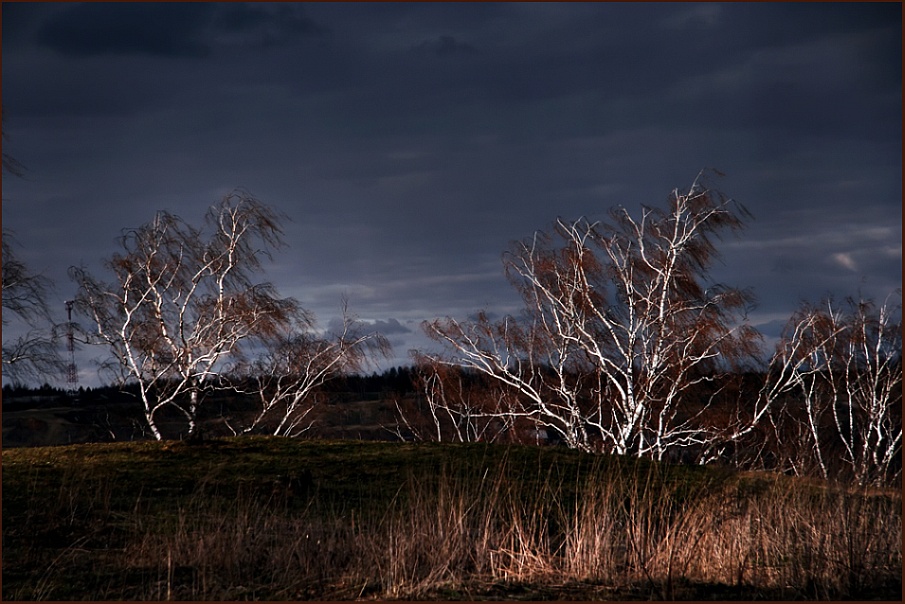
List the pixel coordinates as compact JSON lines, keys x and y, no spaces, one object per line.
{"x":410,"y":143}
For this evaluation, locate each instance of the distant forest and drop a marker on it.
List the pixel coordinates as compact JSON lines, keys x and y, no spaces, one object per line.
{"x":396,"y":381}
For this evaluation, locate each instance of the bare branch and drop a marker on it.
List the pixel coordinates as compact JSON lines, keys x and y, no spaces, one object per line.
{"x":287,"y":376}
{"x":181,"y":305}
{"x":620,"y":322}
{"x":33,"y":356}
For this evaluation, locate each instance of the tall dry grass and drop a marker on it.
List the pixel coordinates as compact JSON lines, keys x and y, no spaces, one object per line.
{"x":452,"y":534}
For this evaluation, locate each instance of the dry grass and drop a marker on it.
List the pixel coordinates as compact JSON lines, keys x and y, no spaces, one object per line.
{"x":608,"y":531}
{"x":623,"y":532}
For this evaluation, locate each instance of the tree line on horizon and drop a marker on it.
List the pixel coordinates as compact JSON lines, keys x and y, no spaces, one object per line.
{"x":624,"y":344}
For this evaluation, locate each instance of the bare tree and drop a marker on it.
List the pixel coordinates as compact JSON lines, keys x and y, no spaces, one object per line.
{"x":33,"y":355}
{"x":834,"y":390}
{"x":182,"y":303}
{"x":620,"y":321}
{"x":286,"y":377}
{"x":459,"y":405}
{"x":868,"y":414}
{"x":24,"y":292}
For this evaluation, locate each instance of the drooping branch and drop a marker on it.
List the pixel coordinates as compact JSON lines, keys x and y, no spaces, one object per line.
{"x":181,"y":304}
{"x":33,"y":355}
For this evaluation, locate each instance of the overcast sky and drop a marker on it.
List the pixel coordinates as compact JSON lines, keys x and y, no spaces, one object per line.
{"x":410,"y":143}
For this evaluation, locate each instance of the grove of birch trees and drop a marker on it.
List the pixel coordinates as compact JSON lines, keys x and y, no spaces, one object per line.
{"x":626,"y":346}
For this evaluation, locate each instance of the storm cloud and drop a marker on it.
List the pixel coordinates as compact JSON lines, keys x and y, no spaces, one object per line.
{"x":409,"y":143}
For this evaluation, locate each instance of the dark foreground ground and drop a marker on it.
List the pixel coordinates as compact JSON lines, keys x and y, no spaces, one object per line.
{"x":285,"y":519}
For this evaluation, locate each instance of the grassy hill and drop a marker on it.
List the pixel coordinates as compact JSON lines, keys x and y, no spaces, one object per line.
{"x":270,"y":518}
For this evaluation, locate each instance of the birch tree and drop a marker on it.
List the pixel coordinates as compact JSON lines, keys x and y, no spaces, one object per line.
{"x":457,"y":405}
{"x":621,"y":319}
{"x":868,"y":413}
{"x":834,"y":390}
{"x":34,"y":354}
{"x":286,"y":377}
{"x":183,"y":300}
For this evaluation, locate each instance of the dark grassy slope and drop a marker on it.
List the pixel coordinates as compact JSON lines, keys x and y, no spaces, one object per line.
{"x":357,"y":473}
{"x":283,"y":519}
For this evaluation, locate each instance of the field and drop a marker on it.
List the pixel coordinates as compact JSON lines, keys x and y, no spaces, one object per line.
{"x":284,"y":519}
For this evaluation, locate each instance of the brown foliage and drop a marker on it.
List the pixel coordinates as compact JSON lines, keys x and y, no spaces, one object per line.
{"x":620,"y":321}
{"x":182,"y":303}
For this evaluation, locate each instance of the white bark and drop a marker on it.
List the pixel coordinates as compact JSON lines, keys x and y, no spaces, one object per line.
{"x":620,"y":327}
{"x":180,"y":305}
{"x":288,"y":376}
{"x":844,"y":373}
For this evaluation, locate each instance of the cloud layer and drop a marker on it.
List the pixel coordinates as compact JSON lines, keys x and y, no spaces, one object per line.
{"x":410,"y":143}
